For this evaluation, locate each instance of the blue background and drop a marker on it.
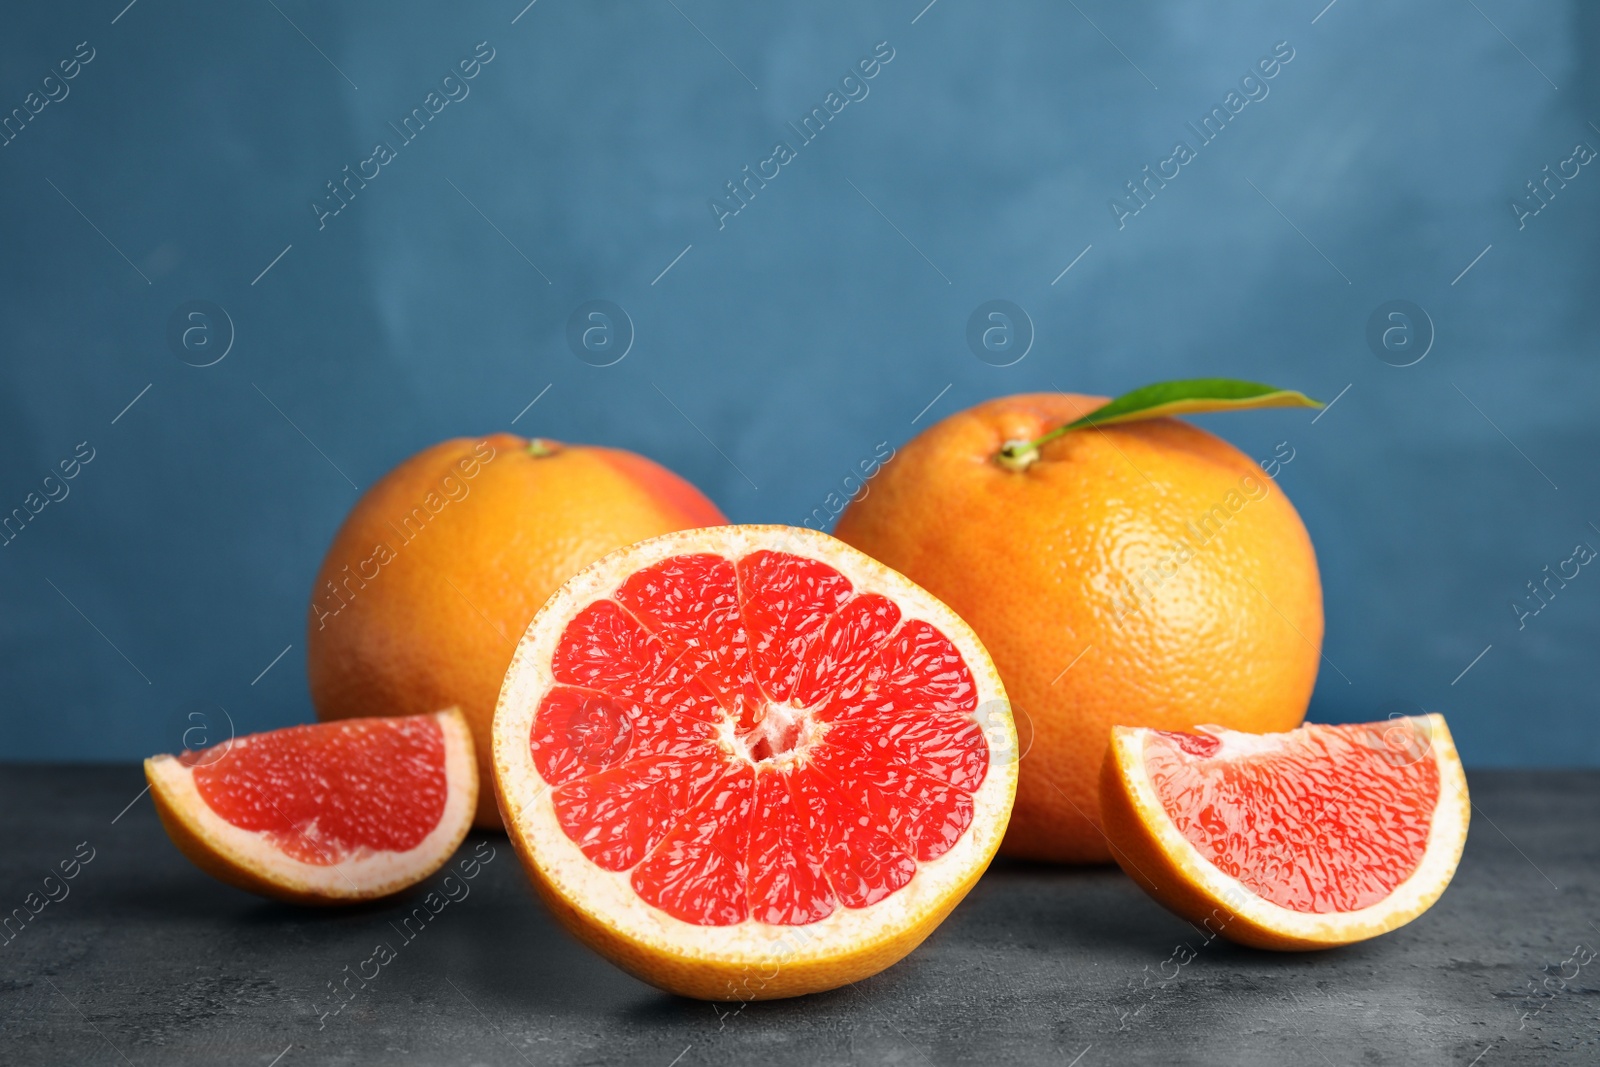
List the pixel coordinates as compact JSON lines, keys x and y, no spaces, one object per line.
{"x":823,"y":319}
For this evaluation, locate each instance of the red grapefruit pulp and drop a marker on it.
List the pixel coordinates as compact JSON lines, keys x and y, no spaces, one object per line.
{"x":1315,"y":837}
{"x":714,"y":742}
{"x":339,"y":811}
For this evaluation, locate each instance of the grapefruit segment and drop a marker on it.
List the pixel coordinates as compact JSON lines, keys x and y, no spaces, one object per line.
{"x":578,"y":731}
{"x":606,"y":648}
{"x":925,"y":816}
{"x":787,"y":604}
{"x":698,"y":873}
{"x":691,"y":604}
{"x":321,"y":814}
{"x":919,"y":668}
{"x":788,"y":886}
{"x":861,"y":859}
{"x":618,"y":816}
{"x":948,"y":746}
{"x":850,"y":641}
{"x":750,"y":762}
{"x":1317,"y":837}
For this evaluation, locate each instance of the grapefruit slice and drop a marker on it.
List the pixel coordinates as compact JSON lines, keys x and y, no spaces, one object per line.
{"x":1309,"y":839}
{"x":325,"y":814}
{"x":749,"y":762}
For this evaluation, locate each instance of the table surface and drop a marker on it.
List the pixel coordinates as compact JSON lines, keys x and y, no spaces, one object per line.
{"x":146,"y":960}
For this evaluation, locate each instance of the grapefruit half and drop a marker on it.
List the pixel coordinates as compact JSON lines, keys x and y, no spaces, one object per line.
{"x":1309,"y":839}
{"x":326,"y":814}
{"x":750,"y":762}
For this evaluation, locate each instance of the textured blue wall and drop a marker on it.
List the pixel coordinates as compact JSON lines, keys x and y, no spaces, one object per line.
{"x":580,"y":161}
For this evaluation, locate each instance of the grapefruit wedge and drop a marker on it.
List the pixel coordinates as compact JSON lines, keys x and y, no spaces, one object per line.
{"x":327,"y":814}
{"x":1318,"y":837}
{"x":750,"y":762}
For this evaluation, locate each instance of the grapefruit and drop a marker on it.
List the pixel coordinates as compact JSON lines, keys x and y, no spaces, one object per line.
{"x":1145,"y":573}
{"x":1309,"y":839}
{"x":323,"y":814}
{"x":750,"y":762}
{"x":440,"y":565}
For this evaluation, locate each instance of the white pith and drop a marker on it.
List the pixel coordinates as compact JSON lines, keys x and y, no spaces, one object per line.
{"x":774,"y":725}
{"x":362,"y":875}
{"x":608,"y":897}
{"x":1238,"y":743}
{"x":1447,"y":836}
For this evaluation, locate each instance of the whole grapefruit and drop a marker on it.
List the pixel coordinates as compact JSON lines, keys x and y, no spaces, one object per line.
{"x":441,"y":565}
{"x":1143,"y":574}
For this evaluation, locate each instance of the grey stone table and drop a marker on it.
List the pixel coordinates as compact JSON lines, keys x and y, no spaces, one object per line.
{"x":142,"y":959}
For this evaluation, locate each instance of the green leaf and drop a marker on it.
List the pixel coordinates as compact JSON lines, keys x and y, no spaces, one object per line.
{"x":1192,"y":396}
{"x":1189,"y":396}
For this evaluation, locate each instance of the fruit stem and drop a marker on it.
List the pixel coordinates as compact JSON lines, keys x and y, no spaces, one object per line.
{"x":539,"y":447}
{"x":1018,"y":456}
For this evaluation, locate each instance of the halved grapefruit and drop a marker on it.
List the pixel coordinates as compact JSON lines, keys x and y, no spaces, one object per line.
{"x":750,"y":762}
{"x":1309,"y":839}
{"x":326,"y":814}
